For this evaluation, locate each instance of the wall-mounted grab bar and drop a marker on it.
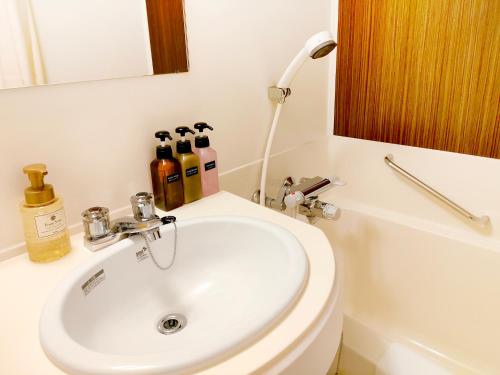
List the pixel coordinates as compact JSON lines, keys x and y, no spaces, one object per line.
{"x":483,"y":220}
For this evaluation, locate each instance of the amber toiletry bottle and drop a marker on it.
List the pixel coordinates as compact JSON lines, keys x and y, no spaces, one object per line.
{"x":190,"y":166}
{"x":166,"y":176}
{"x":44,"y":220}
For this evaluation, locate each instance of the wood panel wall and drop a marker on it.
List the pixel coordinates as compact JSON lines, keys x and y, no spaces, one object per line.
{"x":423,"y":73}
{"x":167,"y":36}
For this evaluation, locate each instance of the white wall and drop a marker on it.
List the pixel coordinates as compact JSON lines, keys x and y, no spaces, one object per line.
{"x":97,"y":137}
{"x":84,"y":40}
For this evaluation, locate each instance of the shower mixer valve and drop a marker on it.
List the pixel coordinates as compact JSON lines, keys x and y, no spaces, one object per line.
{"x":304,"y":197}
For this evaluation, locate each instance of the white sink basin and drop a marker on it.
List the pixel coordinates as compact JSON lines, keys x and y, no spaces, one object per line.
{"x":233,"y":278}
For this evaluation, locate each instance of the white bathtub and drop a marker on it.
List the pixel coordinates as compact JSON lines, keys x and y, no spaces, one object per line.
{"x":416,"y":273}
{"x":416,"y":295}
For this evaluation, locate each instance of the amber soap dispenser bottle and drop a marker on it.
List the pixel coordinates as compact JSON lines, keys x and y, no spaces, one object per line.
{"x":190,"y":166}
{"x":44,"y":220}
{"x":166,"y":176}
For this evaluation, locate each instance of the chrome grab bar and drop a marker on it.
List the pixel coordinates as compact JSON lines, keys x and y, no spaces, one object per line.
{"x":483,"y":220}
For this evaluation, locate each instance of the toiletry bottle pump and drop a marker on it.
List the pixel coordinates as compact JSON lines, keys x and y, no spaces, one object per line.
{"x":208,"y":160}
{"x":44,"y":220}
{"x":190,"y":166}
{"x":166,"y":176}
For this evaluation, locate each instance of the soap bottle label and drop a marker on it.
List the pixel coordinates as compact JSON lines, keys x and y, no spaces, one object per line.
{"x":191,"y":171}
{"x":210,"y":165}
{"x":173,"y":178}
{"x":49,"y":224}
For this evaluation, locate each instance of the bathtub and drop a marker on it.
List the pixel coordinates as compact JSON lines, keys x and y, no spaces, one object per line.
{"x":422,"y":284}
{"x":416,"y":298}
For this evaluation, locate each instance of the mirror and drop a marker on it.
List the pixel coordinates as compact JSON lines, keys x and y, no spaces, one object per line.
{"x":59,"y":41}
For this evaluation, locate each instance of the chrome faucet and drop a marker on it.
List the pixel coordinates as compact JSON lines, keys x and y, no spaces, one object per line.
{"x":304,"y":196}
{"x":100,"y":232}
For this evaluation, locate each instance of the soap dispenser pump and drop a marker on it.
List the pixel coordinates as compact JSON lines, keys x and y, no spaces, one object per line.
{"x":166,"y":175}
{"x":208,"y":160}
{"x":44,"y":220}
{"x":190,"y":166}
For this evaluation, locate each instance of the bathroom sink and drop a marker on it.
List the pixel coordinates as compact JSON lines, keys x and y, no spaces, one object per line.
{"x":232,"y":279}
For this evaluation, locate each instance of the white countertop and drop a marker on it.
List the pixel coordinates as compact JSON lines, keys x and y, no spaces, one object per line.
{"x":24,"y":287}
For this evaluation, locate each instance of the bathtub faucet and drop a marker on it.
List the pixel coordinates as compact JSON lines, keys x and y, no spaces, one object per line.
{"x":304,"y":196}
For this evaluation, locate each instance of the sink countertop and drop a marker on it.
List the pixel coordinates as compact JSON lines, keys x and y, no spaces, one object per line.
{"x":25,"y":286}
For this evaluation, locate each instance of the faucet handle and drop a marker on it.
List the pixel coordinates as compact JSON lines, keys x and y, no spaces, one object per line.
{"x":143,"y":206}
{"x":96,"y":223}
{"x":328,"y":210}
{"x":293,"y":199}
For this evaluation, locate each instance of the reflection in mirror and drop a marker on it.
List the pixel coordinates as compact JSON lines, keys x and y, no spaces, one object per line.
{"x":58,"y":41}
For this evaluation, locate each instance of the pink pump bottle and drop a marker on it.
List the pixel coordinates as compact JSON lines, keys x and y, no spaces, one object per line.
{"x":208,"y":161}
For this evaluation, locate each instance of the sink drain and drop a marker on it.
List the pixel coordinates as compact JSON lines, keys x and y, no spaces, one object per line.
{"x":171,"y":324}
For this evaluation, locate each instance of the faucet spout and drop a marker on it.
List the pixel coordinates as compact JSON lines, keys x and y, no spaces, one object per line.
{"x":130,"y":226}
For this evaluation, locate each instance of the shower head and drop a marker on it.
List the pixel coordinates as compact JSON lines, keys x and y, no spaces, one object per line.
{"x":317,"y":46}
{"x":320,"y":45}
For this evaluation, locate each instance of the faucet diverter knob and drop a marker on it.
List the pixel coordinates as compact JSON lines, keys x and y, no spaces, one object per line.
{"x":143,"y":206}
{"x":168,"y":219}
